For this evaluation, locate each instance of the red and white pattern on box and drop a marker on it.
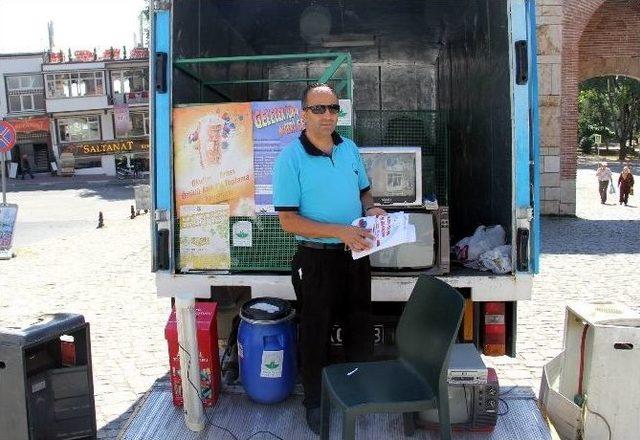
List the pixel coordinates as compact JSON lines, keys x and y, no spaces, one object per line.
{"x":207,"y":335}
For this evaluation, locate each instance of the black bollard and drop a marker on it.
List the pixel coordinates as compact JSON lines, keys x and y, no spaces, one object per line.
{"x":100,"y":220}
{"x":133,"y":213}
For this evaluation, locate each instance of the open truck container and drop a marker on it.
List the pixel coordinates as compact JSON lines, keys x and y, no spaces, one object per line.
{"x":454,"y":77}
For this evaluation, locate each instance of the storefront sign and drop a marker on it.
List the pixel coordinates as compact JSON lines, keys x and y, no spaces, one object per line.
{"x":111,"y":54}
{"x":30,"y":125}
{"x":83,"y":55}
{"x":139,"y":52}
{"x":107,"y":147}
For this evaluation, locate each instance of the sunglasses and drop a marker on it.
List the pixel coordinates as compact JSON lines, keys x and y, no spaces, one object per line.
{"x":320,"y":109}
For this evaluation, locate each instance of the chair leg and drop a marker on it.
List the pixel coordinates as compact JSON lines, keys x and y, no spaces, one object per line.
{"x":348,"y":426}
{"x":443,"y":413}
{"x":409,"y":422}
{"x":325,"y":413}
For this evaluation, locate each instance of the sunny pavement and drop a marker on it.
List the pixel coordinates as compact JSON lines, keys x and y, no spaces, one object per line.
{"x":105,"y":275}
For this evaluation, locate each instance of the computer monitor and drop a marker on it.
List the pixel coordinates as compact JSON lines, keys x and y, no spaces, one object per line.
{"x":395,"y":174}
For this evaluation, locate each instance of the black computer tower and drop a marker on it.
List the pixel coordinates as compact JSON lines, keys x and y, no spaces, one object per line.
{"x":46,"y":380}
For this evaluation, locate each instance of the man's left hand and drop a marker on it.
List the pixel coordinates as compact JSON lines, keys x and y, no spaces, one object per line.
{"x":376,"y":211}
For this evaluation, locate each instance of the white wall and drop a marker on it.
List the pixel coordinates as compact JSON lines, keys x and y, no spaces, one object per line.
{"x":30,"y":63}
{"x":107,"y":126}
{"x":109,"y":165}
{"x":72,"y":67}
{"x":83,"y":103}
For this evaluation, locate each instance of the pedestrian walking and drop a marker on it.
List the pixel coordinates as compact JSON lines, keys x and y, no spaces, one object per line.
{"x":604,"y":176}
{"x":625,"y":182}
{"x":26,"y":167}
{"x":320,"y":186}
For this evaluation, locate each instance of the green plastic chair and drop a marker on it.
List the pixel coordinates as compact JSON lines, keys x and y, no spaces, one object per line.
{"x":416,"y":380}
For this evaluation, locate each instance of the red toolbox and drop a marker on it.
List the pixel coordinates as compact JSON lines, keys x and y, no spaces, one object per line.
{"x":209,"y":380}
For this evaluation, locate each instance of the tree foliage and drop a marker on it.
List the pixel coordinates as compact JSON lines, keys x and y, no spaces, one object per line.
{"x":610,"y":106}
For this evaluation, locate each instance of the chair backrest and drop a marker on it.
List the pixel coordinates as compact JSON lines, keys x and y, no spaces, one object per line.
{"x":428,"y":328}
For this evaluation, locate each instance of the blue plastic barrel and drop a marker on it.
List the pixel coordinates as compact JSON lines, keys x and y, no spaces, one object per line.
{"x":267,"y":349}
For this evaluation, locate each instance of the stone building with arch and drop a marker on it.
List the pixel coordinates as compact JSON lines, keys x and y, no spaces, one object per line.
{"x":577,"y":40}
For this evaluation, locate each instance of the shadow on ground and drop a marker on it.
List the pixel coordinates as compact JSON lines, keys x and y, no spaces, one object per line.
{"x":571,"y":235}
{"x":108,"y":193}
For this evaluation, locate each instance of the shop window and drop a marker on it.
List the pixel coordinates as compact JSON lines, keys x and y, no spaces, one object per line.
{"x":79,"y":129}
{"x":130,"y":81}
{"x":25,"y":93}
{"x":88,"y":162}
{"x":139,"y":125}
{"x":72,"y":85}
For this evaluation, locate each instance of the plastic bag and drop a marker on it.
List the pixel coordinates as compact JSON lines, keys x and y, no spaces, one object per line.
{"x":612,"y":188}
{"x":497,"y":260}
{"x":483,"y":239}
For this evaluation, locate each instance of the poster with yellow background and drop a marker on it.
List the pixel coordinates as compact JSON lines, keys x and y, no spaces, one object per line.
{"x":213,"y":156}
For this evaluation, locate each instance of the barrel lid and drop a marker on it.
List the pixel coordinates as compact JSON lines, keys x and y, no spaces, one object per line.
{"x":265,"y":309}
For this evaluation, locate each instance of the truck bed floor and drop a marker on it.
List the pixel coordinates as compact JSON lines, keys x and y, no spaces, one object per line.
{"x":157,"y":418}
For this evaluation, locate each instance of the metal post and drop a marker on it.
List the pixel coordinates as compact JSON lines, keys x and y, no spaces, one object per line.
{"x":4,"y":182}
{"x":189,"y":363}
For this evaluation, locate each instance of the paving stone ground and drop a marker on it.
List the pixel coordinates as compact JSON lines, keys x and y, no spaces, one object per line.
{"x":104,"y":274}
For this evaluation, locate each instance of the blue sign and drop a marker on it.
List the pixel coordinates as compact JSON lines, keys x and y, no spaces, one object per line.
{"x":7,"y":136}
{"x":275,"y":124}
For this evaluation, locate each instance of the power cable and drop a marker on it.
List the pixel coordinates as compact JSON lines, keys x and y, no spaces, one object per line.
{"x":601,"y":416}
{"x":209,"y":421}
{"x":505,"y":404}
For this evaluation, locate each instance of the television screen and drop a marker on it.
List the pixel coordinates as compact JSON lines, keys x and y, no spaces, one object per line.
{"x":394,"y":174}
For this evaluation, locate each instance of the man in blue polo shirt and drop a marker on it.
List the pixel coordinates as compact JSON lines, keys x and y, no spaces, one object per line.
{"x":320,"y":186}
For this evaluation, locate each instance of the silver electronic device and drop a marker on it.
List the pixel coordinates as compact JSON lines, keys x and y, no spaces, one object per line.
{"x":466,"y":366}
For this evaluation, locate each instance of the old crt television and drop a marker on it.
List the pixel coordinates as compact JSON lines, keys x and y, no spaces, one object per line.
{"x":471,"y":407}
{"x":395,"y":174}
{"x":418,"y":255}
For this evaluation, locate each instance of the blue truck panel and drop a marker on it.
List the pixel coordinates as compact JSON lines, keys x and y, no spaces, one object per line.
{"x":162,"y":123}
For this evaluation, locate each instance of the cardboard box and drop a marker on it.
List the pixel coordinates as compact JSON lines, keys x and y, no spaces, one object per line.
{"x":207,"y":334}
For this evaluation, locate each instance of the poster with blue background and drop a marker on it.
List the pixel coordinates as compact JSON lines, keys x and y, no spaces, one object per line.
{"x":275,"y":124}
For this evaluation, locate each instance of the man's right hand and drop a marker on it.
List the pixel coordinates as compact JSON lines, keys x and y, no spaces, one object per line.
{"x":356,"y":239}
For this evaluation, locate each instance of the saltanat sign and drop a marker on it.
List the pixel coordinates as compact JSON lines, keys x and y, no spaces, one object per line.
{"x":108,"y":147}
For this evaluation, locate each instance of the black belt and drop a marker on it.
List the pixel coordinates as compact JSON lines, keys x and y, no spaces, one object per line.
{"x":319,"y":245}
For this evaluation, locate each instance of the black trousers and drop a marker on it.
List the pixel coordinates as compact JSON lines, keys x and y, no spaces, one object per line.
{"x":624,"y":195}
{"x":602,"y":188}
{"x":330,"y":287}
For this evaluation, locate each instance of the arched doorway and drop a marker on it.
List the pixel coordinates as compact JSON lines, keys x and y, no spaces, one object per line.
{"x":608,"y":131}
{"x":579,"y":39}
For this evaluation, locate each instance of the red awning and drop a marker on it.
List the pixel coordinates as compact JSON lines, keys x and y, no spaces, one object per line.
{"x":30,"y":125}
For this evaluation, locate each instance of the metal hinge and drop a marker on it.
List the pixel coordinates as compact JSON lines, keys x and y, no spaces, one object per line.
{"x":161,"y":215}
{"x":524,"y":213}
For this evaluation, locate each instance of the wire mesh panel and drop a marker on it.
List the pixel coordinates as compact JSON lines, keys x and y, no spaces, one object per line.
{"x":345,"y":130}
{"x":422,"y":128}
{"x":271,"y":248}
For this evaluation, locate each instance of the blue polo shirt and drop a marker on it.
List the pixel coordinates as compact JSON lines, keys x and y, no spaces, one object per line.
{"x":321,"y":187}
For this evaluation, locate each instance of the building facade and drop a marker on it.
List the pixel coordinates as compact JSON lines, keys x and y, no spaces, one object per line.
{"x":99,"y":112}
{"x":22,"y":103}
